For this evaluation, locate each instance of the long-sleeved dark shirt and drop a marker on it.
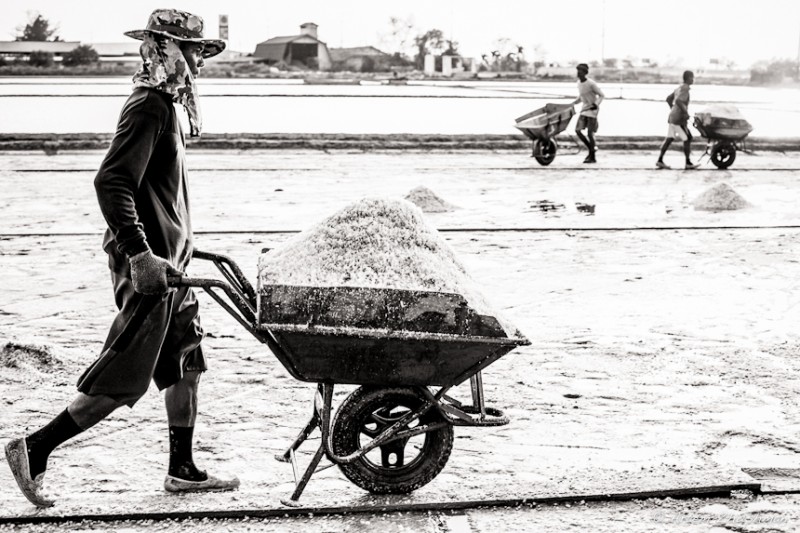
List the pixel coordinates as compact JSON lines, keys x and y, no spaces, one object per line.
{"x":142,"y":184}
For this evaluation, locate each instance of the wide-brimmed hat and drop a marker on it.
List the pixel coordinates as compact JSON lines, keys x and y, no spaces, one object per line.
{"x":181,"y":26}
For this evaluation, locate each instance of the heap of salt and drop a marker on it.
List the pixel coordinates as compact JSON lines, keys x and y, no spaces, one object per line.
{"x":720,"y":197}
{"x":428,"y":201}
{"x":377,"y":243}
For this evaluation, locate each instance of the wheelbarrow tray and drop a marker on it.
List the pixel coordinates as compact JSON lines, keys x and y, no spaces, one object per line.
{"x":722,"y":122}
{"x":546,"y":121}
{"x":360,"y":356}
{"x":373,"y":308}
{"x":723,"y":129}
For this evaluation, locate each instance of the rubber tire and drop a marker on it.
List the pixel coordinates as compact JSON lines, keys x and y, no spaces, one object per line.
{"x":346,"y":428}
{"x":544,"y":150}
{"x":723,"y":154}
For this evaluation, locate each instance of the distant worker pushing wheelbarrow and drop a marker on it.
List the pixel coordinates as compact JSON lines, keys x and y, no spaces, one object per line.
{"x":678,"y":120}
{"x":543,"y":124}
{"x":590,"y":94}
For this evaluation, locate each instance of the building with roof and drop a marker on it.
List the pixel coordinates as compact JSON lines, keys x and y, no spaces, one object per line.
{"x":304,"y":49}
{"x":126,"y":51}
{"x":23,"y":49}
{"x":359,"y":59}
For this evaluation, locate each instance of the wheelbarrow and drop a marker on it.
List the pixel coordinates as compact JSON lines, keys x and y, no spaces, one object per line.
{"x":542,"y":125}
{"x":394,"y":433}
{"x":725,"y":128}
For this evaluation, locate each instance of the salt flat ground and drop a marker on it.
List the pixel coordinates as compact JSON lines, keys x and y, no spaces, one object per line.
{"x":663,"y":348}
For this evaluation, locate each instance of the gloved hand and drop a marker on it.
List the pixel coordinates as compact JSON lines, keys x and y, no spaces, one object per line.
{"x":593,"y":107}
{"x":149,"y":273}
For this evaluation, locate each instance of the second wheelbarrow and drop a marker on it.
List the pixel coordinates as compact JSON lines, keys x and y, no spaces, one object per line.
{"x":542,"y":125}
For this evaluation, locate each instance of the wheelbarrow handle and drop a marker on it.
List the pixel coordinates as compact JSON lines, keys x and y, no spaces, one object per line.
{"x":241,"y":309}
{"x":182,"y":280}
{"x":175,"y":280}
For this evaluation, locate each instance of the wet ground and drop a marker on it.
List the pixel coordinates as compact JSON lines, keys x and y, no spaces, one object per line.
{"x":663,"y":356}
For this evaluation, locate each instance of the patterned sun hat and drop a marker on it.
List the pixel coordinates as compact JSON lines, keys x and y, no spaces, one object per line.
{"x":181,"y":26}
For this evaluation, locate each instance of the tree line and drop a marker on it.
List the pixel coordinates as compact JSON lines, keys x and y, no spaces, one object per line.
{"x":39,"y":29}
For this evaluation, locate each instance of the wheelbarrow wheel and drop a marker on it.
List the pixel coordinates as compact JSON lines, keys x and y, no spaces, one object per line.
{"x":397,"y":467}
{"x":723,"y":154}
{"x":544,"y":150}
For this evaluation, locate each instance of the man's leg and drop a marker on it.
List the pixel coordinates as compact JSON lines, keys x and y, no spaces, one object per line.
{"x":592,"y":146}
{"x":589,"y":142}
{"x":687,"y":150}
{"x":181,"y":400}
{"x":84,"y":412}
{"x":131,"y":349}
{"x":88,"y":410}
{"x":28,"y":456}
{"x":181,"y":403}
{"x":664,"y":147}
{"x":583,"y":139}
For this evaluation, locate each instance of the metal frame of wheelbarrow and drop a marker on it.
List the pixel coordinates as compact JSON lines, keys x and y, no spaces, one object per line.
{"x":242,"y":306}
{"x":716,"y":142}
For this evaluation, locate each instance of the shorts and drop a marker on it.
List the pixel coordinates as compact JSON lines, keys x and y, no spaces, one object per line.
{"x":679,"y":133}
{"x":153,"y":337}
{"x":587,"y":123}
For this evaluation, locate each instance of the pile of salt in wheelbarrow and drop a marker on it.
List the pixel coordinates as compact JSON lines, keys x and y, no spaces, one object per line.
{"x":374,"y":296}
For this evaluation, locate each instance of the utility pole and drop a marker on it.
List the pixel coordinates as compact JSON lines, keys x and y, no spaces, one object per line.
{"x":797,"y":66}
{"x":603,"y":35}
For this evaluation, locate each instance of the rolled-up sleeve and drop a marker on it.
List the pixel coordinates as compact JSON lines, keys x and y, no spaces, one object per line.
{"x":121,"y":172}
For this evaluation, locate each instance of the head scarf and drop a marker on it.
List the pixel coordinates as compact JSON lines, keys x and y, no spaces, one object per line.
{"x":164,"y":68}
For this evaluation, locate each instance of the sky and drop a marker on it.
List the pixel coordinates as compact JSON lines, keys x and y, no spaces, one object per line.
{"x":680,"y":32}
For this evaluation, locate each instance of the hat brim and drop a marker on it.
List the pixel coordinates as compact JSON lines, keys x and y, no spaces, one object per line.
{"x":211,"y":47}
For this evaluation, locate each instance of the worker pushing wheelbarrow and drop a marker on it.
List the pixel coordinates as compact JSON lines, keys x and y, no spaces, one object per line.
{"x":404,"y":349}
{"x":542,"y":125}
{"x":725,"y":128}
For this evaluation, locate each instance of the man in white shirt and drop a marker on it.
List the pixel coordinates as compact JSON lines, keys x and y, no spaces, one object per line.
{"x":591,"y":96}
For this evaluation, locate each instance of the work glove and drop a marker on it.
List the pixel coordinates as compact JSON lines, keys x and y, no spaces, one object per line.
{"x":593,"y":107}
{"x":149,"y":273}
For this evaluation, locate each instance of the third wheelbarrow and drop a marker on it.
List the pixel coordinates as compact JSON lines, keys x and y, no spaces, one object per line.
{"x":726,"y":130}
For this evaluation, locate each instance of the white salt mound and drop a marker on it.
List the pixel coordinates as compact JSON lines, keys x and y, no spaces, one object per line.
{"x":720,"y":197}
{"x":377,"y":243}
{"x":428,"y":201}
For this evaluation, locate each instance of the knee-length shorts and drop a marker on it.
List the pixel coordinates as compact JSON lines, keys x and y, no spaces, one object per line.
{"x":679,"y":133}
{"x":153,"y":337}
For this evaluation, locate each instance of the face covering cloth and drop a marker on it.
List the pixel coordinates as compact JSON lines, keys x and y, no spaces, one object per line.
{"x":164,"y":68}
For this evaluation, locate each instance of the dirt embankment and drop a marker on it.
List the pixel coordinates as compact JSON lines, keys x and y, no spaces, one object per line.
{"x":52,"y":143}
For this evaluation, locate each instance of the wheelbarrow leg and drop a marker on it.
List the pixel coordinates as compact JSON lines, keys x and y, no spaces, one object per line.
{"x":300,"y":484}
{"x":301,"y":438}
{"x":320,"y":415}
{"x":476,"y":381}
